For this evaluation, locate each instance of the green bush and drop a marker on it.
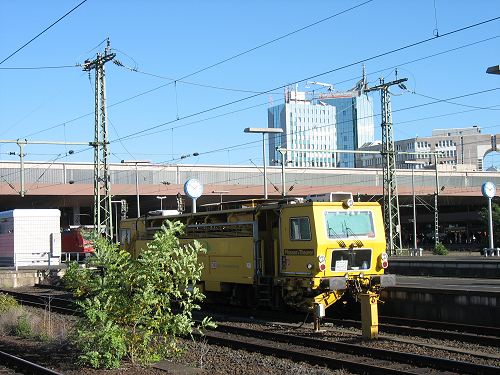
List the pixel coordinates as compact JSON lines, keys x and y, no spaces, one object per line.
{"x":23,"y":327}
{"x":7,"y":302}
{"x":128,"y":310}
{"x":440,"y":249}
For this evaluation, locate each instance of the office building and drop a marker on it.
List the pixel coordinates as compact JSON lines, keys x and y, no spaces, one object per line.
{"x":309,"y":131}
{"x":462,"y":148}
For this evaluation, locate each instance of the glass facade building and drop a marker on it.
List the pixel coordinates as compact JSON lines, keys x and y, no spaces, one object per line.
{"x":309,"y":132}
{"x":355,"y":125}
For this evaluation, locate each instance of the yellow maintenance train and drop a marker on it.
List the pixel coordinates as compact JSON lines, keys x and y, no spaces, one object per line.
{"x":302,"y":253}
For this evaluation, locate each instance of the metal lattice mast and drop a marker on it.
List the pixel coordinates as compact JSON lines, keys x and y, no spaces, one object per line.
{"x":391,"y":200}
{"x":103,"y":216}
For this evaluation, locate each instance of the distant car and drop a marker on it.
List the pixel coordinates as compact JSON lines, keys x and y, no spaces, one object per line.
{"x":77,"y":240}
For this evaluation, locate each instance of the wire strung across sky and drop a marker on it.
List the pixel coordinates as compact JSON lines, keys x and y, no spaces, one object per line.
{"x":42,"y":32}
{"x":280,"y":87}
{"x":312,"y":77}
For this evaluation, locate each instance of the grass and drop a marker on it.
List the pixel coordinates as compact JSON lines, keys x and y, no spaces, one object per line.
{"x":39,"y":324}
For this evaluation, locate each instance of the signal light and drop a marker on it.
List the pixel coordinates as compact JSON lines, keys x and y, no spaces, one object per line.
{"x":384,"y":260}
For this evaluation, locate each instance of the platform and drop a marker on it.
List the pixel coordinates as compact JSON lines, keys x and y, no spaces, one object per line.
{"x":457,"y":300}
{"x":461,"y":265}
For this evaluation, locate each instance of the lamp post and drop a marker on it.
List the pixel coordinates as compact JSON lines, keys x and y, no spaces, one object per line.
{"x":220,"y":192}
{"x":161,"y":198}
{"x":415,"y":248}
{"x":283,"y":161}
{"x":436,"y":212}
{"x":264,"y":131}
{"x":488,"y":189}
{"x":137,"y":180}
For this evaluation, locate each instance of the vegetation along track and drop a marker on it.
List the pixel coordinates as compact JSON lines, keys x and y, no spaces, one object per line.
{"x":334,"y":354}
{"x":352,"y":357}
{"x":23,"y":366}
{"x":44,"y":300}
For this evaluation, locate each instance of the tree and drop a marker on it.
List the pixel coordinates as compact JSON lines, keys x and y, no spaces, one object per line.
{"x":129,"y":303}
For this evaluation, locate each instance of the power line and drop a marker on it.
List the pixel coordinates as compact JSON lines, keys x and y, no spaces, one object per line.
{"x":164,"y":85}
{"x":42,"y":32}
{"x":316,"y":75}
{"x":40,"y":67}
{"x":274,"y":40}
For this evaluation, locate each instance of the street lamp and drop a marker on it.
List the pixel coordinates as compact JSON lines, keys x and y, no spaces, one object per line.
{"x":161,"y":201}
{"x":137,"y":180}
{"x":436,"y":196}
{"x":415,"y":248}
{"x":264,"y":131}
{"x":220,"y":192}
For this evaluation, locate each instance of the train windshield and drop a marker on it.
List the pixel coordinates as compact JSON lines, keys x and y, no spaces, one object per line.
{"x":345,"y":224}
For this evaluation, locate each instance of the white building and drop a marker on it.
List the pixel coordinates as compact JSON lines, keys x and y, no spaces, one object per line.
{"x":309,"y":131}
{"x":462,"y":148}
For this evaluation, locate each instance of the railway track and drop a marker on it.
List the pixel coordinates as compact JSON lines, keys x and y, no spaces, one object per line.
{"x":63,"y":305}
{"x":481,"y":335}
{"x":17,"y":365}
{"x":336,"y":355}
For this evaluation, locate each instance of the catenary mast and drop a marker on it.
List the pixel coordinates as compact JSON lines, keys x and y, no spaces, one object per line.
{"x":103,"y":221}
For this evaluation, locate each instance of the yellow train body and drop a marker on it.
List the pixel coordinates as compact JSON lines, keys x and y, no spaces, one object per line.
{"x":300,"y":254}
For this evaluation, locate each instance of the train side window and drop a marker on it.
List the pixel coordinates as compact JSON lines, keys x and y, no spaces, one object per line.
{"x":300,"y":229}
{"x":125,"y":236}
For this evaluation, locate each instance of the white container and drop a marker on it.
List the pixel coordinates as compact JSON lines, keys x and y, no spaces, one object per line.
{"x":30,"y":237}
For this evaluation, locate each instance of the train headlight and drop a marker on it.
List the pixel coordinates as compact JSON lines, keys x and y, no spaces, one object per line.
{"x":322,"y":267}
{"x":309,"y":266}
{"x":347,"y":203}
{"x":361,"y":275}
{"x":321,"y":259}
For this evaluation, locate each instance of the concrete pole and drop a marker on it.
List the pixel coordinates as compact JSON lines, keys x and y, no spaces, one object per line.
{"x":414,"y":210}
{"x":283,"y":161}
{"x":265,"y":168}
{"x":436,"y":212}
{"x":137,"y":191}
{"x":490,"y":223}
{"x":21,"y":157}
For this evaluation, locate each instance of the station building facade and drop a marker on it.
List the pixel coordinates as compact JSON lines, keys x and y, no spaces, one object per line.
{"x":459,"y":149}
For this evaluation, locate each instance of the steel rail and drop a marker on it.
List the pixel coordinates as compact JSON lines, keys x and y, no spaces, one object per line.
{"x":359,"y":350}
{"x":26,"y":367}
{"x":269,"y":347}
{"x":430,"y":329}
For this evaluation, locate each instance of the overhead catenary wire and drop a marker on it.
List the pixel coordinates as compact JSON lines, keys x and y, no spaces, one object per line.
{"x":233,"y":147}
{"x":382,"y":54}
{"x":256,"y":92}
{"x":42,"y":32}
{"x":319,"y":74}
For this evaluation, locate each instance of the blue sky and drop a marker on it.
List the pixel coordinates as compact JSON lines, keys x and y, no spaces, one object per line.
{"x":162,"y":41}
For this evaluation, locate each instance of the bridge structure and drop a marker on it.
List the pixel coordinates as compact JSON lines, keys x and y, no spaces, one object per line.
{"x":69,"y":187}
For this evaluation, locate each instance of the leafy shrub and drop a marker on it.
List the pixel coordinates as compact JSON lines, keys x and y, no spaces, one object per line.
{"x":23,"y":327}
{"x":129,"y":302}
{"x":7,"y":302}
{"x":101,"y":341}
{"x":440,"y":249}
